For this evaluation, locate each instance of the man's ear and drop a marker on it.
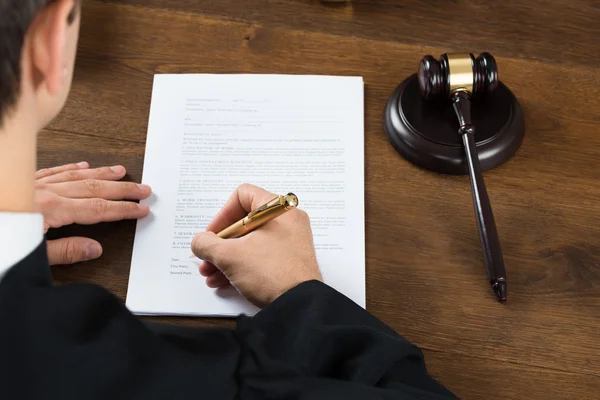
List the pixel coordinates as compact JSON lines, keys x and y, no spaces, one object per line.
{"x":48,"y":35}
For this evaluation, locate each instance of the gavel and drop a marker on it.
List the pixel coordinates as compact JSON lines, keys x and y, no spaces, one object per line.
{"x":460,"y":77}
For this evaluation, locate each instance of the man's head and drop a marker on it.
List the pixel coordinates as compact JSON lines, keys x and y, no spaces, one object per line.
{"x":38,"y":43}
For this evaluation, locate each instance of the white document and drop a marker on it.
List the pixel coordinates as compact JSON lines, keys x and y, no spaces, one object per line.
{"x":208,"y":134}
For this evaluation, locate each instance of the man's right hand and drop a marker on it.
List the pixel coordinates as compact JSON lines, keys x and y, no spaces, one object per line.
{"x":265,"y":263}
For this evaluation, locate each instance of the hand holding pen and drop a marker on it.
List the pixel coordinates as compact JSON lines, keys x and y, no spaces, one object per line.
{"x":258,"y":217}
{"x":260,"y":255}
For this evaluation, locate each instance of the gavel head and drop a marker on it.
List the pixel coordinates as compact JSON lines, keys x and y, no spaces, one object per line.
{"x":455,"y":72}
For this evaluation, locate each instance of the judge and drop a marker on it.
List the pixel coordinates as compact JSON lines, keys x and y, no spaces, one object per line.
{"x":79,"y":341}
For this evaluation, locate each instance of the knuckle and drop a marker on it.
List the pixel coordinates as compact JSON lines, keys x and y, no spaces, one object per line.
{"x":129,"y":206}
{"x":93,"y":186}
{"x":71,"y":175}
{"x":69,"y":253}
{"x":98,"y":206}
{"x":105,"y":171}
{"x":40,"y":185}
{"x":131,"y":187}
{"x":47,"y":201}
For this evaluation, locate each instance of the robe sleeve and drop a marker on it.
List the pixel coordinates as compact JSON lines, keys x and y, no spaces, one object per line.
{"x":79,"y":341}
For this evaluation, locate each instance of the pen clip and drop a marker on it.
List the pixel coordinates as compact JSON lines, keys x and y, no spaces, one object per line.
{"x":276,"y":202}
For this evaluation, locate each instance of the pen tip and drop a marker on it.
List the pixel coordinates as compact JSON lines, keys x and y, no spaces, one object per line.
{"x":499,"y":287}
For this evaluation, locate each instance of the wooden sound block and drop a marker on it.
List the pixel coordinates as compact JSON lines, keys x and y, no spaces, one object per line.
{"x":426,"y":132}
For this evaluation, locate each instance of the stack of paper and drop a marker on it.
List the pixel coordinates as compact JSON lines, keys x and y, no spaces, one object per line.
{"x":207,"y":135}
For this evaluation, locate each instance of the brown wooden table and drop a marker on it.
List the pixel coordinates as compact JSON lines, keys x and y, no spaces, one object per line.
{"x":425,"y":274}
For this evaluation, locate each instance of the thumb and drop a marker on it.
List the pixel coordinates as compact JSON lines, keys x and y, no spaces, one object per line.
{"x":209,"y":247}
{"x":72,"y":250}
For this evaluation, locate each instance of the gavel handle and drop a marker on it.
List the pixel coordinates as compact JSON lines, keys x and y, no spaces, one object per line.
{"x":488,"y":234}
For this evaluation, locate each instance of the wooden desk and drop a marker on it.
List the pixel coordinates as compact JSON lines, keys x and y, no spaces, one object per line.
{"x":425,"y":274}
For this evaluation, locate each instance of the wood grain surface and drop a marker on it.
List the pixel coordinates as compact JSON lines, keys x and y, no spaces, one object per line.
{"x":425,"y":273}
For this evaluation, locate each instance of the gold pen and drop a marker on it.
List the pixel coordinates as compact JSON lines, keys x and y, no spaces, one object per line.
{"x":263,"y":214}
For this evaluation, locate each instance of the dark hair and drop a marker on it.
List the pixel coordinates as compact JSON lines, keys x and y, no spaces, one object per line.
{"x":15,"y":18}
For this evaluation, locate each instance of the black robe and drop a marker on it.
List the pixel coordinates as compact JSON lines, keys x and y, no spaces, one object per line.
{"x":80,"y":342}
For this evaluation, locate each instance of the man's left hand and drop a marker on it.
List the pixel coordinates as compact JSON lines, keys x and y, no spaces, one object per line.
{"x":77,"y":194}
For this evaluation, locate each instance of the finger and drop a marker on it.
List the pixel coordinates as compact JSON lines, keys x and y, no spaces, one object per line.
{"x":72,"y":250}
{"x":93,"y":211}
{"x":42,"y":173}
{"x":105,"y":173}
{"x":109,"y":190}
{"x":217,"y":280}
{"x":245,"y":199}
{"x":207,"y":269}
{"x":208,"y":247}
